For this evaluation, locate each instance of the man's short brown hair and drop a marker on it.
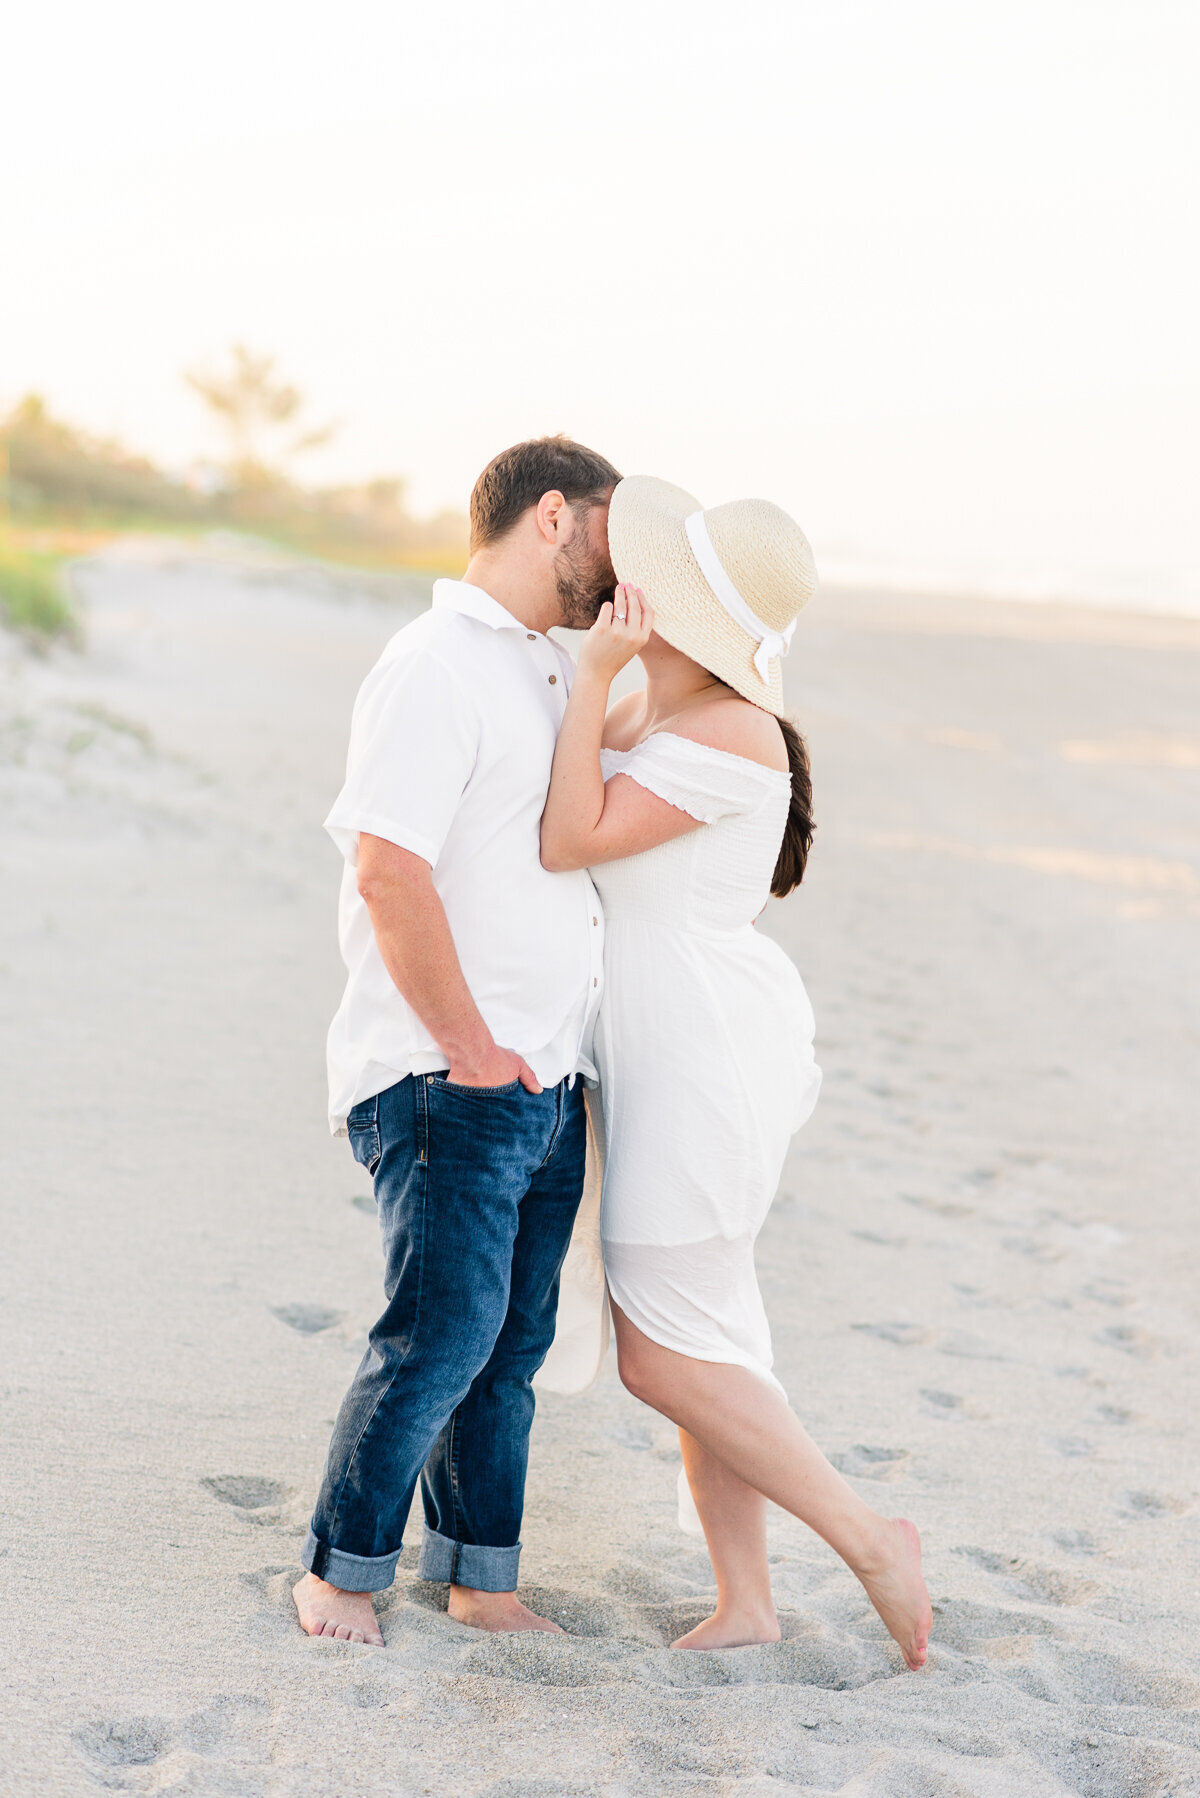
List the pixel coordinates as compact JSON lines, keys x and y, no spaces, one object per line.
{"x":517,"y":478}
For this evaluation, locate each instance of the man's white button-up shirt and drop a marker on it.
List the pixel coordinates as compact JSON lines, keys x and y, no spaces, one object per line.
{"x":450,"y":751}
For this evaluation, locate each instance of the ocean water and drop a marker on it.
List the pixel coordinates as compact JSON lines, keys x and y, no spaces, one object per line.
{"x":1171,"y":590}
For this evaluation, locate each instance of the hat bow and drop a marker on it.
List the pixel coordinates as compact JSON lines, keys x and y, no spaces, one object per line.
{"x":770,"y":642}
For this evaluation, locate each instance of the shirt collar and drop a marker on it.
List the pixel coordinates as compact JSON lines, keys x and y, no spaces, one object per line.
{"x":473,"y":602}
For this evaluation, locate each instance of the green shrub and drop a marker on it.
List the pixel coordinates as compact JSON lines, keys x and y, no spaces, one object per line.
{"x":32,"y":595}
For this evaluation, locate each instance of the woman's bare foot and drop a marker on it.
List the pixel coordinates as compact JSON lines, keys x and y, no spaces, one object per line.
{"x":326,"y":1610}
{"x":729,"y":1628}
{"x":496,"y":1611}
{"x":891,"y":1573}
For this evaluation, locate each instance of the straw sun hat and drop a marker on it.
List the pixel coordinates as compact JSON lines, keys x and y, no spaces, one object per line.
{"x":726,"y":584}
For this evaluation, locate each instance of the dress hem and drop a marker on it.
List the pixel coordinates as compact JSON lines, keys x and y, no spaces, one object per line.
{"x":692,"y":1353}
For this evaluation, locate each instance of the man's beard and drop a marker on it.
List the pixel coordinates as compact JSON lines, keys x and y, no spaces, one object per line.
{"x":585,"y":579}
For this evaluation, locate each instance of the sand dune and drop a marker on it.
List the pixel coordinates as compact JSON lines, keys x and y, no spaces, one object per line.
{"x":982,"y":1271}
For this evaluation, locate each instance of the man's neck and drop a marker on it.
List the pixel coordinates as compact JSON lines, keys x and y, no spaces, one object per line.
{"x":516,"y":587}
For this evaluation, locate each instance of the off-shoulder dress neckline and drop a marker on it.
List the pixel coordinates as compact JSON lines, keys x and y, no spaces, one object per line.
{"x":705,"y":749}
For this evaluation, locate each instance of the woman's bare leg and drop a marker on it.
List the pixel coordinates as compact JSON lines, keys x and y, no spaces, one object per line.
{"x":734,"y":1516}
{"x":746,"y":1426}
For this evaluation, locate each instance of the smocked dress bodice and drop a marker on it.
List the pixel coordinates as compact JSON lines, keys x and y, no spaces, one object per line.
{"x":716,"y":879}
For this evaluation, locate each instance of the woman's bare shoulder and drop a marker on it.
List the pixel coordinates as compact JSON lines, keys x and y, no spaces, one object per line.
{"x":736,"y":726}
{"x":623,"y":721}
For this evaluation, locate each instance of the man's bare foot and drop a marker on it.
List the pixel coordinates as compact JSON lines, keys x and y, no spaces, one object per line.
{"x":495,"y":1611}
{"x":729,"y":1628}
{"x":891,"y":1573}
{"x":326,"y":1610}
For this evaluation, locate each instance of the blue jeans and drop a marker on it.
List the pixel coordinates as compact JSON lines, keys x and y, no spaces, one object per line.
{"x":477,"y":1189}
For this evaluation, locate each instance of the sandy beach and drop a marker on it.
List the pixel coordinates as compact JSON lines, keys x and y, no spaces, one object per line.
{"x":981,"y":1271}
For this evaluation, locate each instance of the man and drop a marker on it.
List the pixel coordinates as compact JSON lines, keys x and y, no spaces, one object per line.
{"x":474,"y":978}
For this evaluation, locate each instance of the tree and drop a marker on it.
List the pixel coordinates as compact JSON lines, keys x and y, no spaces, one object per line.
{"x":257,"y":410}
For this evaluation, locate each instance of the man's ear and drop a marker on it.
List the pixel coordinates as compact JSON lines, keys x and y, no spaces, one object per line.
{"x":549,"y":515}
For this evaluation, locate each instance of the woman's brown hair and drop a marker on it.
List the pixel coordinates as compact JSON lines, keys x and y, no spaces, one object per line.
{"x":797,"y":838}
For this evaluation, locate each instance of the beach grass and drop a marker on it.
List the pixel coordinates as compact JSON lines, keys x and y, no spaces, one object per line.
{"x":33,"y":594}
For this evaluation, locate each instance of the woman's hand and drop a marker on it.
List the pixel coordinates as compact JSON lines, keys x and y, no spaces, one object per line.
{"x":619,"y":633}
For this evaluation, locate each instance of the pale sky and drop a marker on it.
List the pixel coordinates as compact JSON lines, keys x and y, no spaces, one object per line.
{"x":925,"y":274}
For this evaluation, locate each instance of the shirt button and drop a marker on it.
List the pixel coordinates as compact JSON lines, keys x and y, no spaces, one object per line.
{"x":596,"y":982}
{"x":554,"y":680}
{"x":532,"y":635}
{"x":595,"y":920}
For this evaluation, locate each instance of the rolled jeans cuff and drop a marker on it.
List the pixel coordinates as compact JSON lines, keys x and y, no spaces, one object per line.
{"x":467,"y":1564}
{"x":350,"y":1573}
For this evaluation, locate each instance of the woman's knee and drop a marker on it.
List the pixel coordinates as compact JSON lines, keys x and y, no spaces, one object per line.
{"x":638,"y":1373}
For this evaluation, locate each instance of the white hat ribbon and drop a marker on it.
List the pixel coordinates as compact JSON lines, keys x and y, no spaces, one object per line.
{"x":770,"y":642}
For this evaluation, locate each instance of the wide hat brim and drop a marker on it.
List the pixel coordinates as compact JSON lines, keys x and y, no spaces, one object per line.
{"x":650,"y":549}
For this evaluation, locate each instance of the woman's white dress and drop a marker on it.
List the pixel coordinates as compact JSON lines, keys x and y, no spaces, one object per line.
{"x":704,"y":1046}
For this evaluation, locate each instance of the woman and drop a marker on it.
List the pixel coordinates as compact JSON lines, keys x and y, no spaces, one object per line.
{"x":690,"y":802}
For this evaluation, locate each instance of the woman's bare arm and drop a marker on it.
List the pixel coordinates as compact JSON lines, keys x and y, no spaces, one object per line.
{"x":586,"y":821}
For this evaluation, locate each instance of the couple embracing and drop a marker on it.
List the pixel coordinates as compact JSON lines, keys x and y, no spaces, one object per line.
{"x":542,"y":894}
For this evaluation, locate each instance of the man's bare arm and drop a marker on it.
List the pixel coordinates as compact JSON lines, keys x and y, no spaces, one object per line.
{"x":413,"y":934}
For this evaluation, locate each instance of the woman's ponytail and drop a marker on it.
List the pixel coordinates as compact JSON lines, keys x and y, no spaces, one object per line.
{"x":797,"y":838}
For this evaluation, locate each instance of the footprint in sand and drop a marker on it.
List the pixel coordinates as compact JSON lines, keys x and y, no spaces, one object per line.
{"x":1131,"y":1341}
{"x":1025,"y":1579}
{"x":1074,"y":1448}
{"x":1033,"y":1654}
{"x":964,"y":1625}
{"x":939,"y":1207}
{"x":811,"y":1654}
{"x":122,"y":1742}
{"x":274,"y":1620}
{"x":260,"y":1580}
{"x":364,"y":1697}
{"x":1075,"y":1542}
{"x":1107,"y":1292}
{"x":578,"y":1614}
{"x":632,"y":1435}
{"x":663,"y":1765}
{"x":230,"y":1728}
{"x":249,"y":1493}
{"x":1090,"y":1676}
{"x":1031,"y":1247}
{"x":949,"y":1406}
{"x":1114,"y":1414}
{"x":903,"y":1335}
{"x":228,"y":1731}
{"x":1150,"y":1507}
{"x":1107,"y":1762}
{"x":974,"y":1298}
{"x":864,"y":1463}
{"x":310,"y":1320}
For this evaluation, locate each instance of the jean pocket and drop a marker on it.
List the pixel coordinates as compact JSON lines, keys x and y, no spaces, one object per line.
{"x":474,"y":1092}
{"x":362,"y":1127}
{"x":364,"y":1146}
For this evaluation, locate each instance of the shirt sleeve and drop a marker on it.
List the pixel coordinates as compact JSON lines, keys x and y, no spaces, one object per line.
{"x":705,"y":783}
{"x":413,"y":747}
